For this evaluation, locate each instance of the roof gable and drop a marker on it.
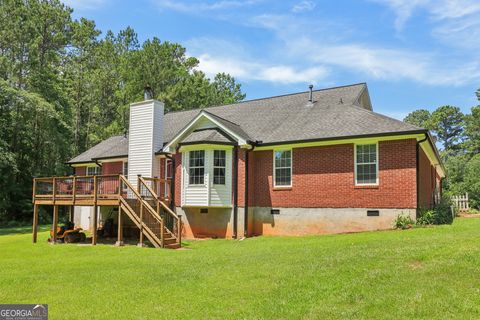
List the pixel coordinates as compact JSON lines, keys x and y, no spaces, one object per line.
{"x":206,"y":119}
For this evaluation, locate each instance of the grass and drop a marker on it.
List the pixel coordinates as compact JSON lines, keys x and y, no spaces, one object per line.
{"x":420,"y":273}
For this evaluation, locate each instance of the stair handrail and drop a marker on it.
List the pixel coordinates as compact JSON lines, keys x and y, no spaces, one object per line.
{"x":177,"y":219}
{"x":148,"y":206}
{"x":142,"y":180}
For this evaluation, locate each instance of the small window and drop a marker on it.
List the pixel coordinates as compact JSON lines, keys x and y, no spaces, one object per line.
{"x":125,"y":168}
{"x":197,"y":167}
{"x":283,"y":168}
{"x":219,"y":162}
{"x":94,"y":171}
{"x":366,"y":164}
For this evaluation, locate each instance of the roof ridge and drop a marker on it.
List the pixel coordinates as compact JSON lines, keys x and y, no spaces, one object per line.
{"x":217,"y":116}
{"x":276,"y":96}
{"x":383,"y":116}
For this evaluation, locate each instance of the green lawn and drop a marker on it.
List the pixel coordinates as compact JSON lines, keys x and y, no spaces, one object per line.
{"x":421,"y":273}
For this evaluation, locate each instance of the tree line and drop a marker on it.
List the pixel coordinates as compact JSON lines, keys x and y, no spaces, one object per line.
{"x":65,"y":86}
{"x":458,"y":137}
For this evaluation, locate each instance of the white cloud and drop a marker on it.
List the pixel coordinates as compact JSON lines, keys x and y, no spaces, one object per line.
{"x":455,"y":22}
{"x":403,"y":9}
{"x":251,"y":70}
{"x":85,"y":4}
{"x":304,"y":6}
{"x":202,"y":6}
{"x":374,"y":61}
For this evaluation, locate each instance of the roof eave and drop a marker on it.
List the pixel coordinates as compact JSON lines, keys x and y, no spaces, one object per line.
{"x":373,"y":135}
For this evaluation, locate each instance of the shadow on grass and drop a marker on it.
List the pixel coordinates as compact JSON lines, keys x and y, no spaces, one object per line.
{"x":22,"y":230}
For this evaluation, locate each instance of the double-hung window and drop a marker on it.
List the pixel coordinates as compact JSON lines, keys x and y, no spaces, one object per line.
{"x":94,"y":171}
{"x":282,"y":170}
{"x":366,"y":164}
{"x":219,"y":163}
{"x":196,"y":167}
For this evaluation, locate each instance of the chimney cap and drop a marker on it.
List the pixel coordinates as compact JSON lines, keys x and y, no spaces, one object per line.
{"x":147,"y":93}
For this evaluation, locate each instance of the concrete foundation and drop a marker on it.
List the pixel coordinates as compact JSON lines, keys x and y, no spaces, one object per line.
{"x":310,"y":221}
{"x":218,"y":222}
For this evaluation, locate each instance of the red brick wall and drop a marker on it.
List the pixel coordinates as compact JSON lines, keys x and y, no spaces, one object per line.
{"x":323,"y":177}
{"x":178,"y":178}
{"x":428,"y":177}
{"x":112,"y":167}
{"x":80,"y":171}
{"x":242,"y":153}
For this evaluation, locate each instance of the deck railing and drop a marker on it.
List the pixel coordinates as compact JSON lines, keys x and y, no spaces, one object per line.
{"x":161,"y":188}
{"x":77,"y":187}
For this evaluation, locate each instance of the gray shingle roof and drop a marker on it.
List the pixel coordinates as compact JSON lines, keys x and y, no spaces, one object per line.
{"x":116,"y":146}
{"x":334,"y":113}
{"x":207,"y":135}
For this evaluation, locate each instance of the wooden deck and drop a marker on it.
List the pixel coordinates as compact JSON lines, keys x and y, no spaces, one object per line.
{"x":147,"y":205}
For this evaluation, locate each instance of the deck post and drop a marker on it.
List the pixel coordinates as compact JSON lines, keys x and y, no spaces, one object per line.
{"x":70,"y":213}
{"x":95,"y":222}
{"x":140,"y":242}
{"x":74,"y":191}
{"x":119,"y":242}
{"x":95,"y":211}
{"x":55,"y":224}
{"x":179,"y":229}
{"x":35,"y":222}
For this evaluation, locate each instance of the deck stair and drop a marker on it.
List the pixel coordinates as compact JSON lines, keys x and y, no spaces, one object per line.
{"x":146,"y":204}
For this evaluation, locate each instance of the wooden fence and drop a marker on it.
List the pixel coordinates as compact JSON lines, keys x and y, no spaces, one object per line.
{"x":461,"y":202}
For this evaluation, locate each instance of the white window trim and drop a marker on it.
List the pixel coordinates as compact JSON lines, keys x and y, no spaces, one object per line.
{"x":125,"y":163}
{"x":97,"y":168}
{"x":376,"y":165}
{"x":274,"y":169}
{"x":166,"y":173}
{"x":204,"y":169}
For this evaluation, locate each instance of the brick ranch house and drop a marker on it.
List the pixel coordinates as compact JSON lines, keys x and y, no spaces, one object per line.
{"x":313,"y":162}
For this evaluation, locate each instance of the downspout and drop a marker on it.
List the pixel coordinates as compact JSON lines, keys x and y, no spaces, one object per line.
{"x":235,"y":191}
{"x":417,"y":151}
{"x":245,"y":222}
{"x":172,"y":184}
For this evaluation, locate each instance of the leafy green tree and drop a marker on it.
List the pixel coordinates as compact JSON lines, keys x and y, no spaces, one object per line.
{"x":31,"y":143}
{"x":472,"y":181}
{"x":419,"y":118}
{"x":447,"y":123}
{"x":472,"y":131}
{"x":64,"y":87}
{"x":226,"y":90}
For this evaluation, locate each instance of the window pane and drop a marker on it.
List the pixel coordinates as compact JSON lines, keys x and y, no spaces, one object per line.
{"x":282,"y":177}
{"x":196,"y":170}
{"x":219,"y":176}
{"x":219,"y":162}
{"x":366,"y":163}
{"x":283,"y":168}
{"x":219,"y":158}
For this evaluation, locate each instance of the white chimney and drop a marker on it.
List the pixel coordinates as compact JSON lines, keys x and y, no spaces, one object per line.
{"x":144,"y":139}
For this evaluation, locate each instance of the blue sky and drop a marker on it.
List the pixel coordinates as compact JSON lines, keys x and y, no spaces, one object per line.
{"x":412,"y":53}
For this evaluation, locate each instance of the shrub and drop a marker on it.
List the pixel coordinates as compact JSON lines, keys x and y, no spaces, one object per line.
{"x":444,"y":212}
{"x":425,"y":217}
{"x":404,"y":221}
